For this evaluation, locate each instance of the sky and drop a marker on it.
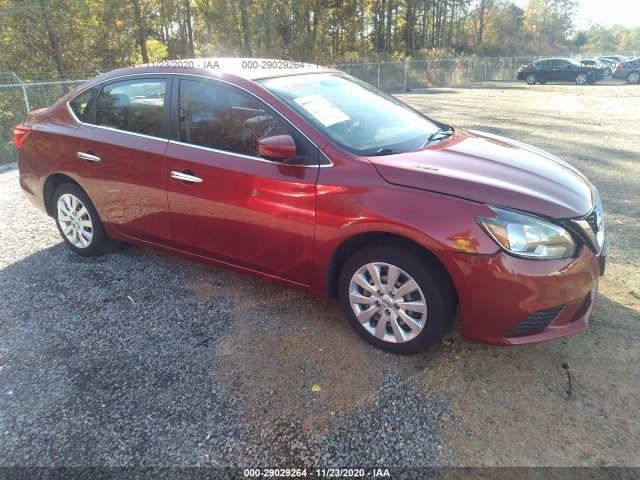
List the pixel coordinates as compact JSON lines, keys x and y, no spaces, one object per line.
{"x":604,"y":12}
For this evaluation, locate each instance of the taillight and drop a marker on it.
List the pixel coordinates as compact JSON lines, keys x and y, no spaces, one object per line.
{"x":20,"y":132}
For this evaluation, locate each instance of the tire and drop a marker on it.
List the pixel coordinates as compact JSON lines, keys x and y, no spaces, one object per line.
{"x":633,"y":77}
{"x":432,"y":295}
{"x":582,"y":79}
{"x":75,"y":214}
{"x":531,"y":79}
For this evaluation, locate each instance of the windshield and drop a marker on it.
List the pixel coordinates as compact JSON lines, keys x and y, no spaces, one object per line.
{"x":353,"y":114}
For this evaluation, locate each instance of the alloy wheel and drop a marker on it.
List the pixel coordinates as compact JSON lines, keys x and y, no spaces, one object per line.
{"x":633,"y":77}
{"x":387,"y":302}
{"x":75,"y":221}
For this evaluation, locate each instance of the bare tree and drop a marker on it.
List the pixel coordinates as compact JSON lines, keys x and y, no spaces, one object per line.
{"x":246,"y":45}
{"x":141,"y":31}
{"x":54,"y":41}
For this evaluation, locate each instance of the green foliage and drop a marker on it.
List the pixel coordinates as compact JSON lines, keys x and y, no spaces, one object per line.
{"x":600,"y":39}
{"x":44,"y":39}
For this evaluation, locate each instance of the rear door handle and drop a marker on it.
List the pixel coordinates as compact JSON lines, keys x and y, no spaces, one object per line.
{"x":88,"y":157}
{"x":185,"y":177}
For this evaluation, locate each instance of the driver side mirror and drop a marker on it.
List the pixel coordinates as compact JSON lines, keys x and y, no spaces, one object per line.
{"x":277,"y":147}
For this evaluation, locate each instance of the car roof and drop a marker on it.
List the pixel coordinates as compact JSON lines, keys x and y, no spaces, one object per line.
{"x":553,"y":58}
{"x":248,"y":68}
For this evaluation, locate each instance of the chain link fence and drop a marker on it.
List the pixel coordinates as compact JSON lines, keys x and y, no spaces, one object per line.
{"x":18,"y":97}
{"x":417,"y":74}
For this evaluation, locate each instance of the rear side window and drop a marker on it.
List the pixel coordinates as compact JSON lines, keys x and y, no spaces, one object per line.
{"x":81,"y":105}
{"x":222,"y":118}
{"x":133,"y":106}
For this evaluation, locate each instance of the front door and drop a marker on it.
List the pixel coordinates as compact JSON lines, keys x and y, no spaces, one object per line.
{"x":226,"y":202}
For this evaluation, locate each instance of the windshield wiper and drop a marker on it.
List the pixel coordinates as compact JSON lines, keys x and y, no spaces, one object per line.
{"x":386,"y":151}
{"x":438,"y":134}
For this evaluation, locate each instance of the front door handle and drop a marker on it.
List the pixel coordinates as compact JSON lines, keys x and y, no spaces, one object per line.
{"x":185,"y":177}
{"x":88,"y":157}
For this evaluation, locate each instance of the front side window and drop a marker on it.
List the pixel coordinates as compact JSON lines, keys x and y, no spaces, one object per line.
{"x":219,"y":117}
{"x":353,"y":114}
{"x":133,"y":105}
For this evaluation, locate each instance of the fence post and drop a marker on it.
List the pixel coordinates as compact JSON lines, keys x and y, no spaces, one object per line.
{"x":485,"y":69}
{"x":405,"y":74}
{"x":378,"y":65}
{"x":24,"y":92}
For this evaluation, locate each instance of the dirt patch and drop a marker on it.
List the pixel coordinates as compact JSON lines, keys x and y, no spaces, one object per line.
{"x":275,"y":364}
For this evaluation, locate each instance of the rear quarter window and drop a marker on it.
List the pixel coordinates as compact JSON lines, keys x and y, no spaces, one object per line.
{"x":81,"y":104}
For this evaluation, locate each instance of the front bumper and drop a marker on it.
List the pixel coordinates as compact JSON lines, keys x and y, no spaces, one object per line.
{"x":504,"y":298}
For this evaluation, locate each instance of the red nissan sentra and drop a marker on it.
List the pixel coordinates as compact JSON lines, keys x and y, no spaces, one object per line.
{"x":312,"y":179}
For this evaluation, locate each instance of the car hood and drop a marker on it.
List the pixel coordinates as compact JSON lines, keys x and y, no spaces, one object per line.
{"x":493,"y":170}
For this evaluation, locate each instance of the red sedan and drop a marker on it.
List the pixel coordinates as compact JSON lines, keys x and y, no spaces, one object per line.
{"x":310,"y":178}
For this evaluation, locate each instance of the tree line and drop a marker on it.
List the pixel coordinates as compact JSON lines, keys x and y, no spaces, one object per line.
{"x":82,"y":37}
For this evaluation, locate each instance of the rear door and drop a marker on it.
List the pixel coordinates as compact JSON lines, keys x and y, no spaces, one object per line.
{"x":119,"y":152}
{"x":241,"y":209}
{"x":542,"y":69}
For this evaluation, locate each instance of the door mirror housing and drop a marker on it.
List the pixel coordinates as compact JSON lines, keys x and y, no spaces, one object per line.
{"x":277,"y":147}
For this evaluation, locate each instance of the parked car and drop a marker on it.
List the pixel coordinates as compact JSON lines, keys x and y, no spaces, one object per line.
{"x":312,"y":179}
{"x":628,"y":70}
{"x":611,"y":62}
{"x":559,"y":70}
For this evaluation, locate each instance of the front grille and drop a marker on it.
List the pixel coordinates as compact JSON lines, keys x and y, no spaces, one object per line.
{"x":536,"y":322}
{"x":592,"y":220}
{"x":590,"y":229}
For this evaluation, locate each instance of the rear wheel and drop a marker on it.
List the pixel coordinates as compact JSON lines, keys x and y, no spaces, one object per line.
{"x":633,"y":77}
{"x":396,"y":298}
{"x":78,"y":221}
{"x":531,"y":79}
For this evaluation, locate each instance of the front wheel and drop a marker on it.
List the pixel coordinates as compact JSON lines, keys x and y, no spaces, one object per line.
{"x":78,"y":221}
{"x":531,"y":79}
{"x":582,"y":79}
{"x":396,"y":298}
{"x":633,"y":77}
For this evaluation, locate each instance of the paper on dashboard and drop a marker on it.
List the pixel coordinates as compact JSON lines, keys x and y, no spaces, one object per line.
{"x":322,"y":109}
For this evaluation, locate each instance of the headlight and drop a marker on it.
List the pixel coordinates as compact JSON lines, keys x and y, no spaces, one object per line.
{"x":528,"y":236}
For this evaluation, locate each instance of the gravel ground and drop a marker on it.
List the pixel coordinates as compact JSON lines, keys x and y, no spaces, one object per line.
{"x":139,"y":358}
